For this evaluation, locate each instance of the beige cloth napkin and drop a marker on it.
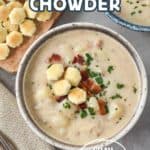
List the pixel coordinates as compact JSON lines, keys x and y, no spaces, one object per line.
{"x":14,"y":127}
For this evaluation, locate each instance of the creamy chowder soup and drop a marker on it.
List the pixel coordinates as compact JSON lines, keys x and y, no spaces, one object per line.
{"x":82,"y":85}
{"x":136,"y":11}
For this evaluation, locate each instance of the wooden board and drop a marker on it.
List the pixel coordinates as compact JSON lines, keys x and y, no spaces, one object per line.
{"x":12,"y":62}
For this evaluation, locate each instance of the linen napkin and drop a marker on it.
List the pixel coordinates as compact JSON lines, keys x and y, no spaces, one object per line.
{"x":14,"y":127}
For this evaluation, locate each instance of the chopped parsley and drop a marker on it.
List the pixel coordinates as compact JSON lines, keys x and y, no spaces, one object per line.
{"x":134,"y":89}
{"x":66,"y":105}
{"x":116,"y":96}
{"x":97,"y":76}
{"x":133,"y":13}
{"x":99,"y":80}
{"x":49,"y":85}
{"x":89,"y":58}
{"x":92,"y":74}
{"x":49,"y":66}
{"x":83,"y":113}
{"x":110,"y":69}
{"x":120,"y":86}
{"x":91,"y":111}
{"x":107,"y":109}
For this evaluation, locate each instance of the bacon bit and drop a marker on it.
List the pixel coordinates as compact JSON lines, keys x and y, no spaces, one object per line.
{"x":90,"y":86}
{"x":83,"y":86}
{"x":55,"y":58}
{"x":61,"y":98}
{"x":84,"y":75}
{"x":78,"y":59}
{"x":82,"y":106}
{"x":102,"y":107}
{"x":95,"y":89}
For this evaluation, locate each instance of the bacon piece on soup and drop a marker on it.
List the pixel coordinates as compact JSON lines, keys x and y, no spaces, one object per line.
{"x":82,"y":106}
{"x":90,"y":86}
{"x":60,"y":98}
{"x":102,"y":107}
{"x":95,"y":88}
{"x":55,"y":58}
{"x":78,"y":59}
{"x":84,"y":75}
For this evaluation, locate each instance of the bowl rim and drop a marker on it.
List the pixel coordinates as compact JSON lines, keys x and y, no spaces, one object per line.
{"x":66,"y":27}
{"x":127,"y":24}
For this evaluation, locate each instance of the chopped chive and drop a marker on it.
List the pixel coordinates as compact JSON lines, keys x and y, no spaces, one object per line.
{"x":49,"y":66}
{"x":134,"y":89}
{"x":99,"y":79}
{"x":133,"y":13}
{"x":66,"y":105}
{"x":89,"y":58}
{"x":83,"y":113}
{"x":144,"y":5}
{"x":117,"y":96}
{"x":49,"y":85}
{"x":91,"y":111}
{"x":140,"y":11}
{"x":92,"y":74}
{"x":120,"y":86}
{"x":110,"y":69}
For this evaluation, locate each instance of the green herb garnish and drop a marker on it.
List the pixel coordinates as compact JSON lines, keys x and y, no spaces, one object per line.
{"x":83,"y":113}
{"x":120,"y":86}
{"x":66,"y":105}
{"x":91,"y":111}
{"x":92,"y":74}
{"x":140,"y":11}
{"x":117,"y":96}
{"x":133,"y":13}
{"x":110,"y":69}
{"x":49,"y":85}
{"x":107,"y":109}
{"x":49,"y":66}
{"x":89,"y":58}
{"x":134,"y":89}
{"x":99,"y":80}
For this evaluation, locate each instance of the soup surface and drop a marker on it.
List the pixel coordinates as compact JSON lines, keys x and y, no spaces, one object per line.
{"x":136,"y":11}
{"x":82,"y":85}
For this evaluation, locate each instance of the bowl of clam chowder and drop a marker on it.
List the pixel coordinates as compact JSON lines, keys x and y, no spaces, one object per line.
{"x":80,"y":82}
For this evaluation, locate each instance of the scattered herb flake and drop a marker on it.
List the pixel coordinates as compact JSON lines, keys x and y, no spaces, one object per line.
{"x":89,"y":58}
{"x":133,"y":13}
{"x":107,"y":109}
{"x":49,"y":66}
{"x":140,"y":11}
{"x":110,"y":69}
{"x":49,"y":85}
{"x":117,"y":96}
{"x":120,"y":86}
{"x":83,"y":113}
{"x":91,"y":111}
{"x":92,"y":74}
{"x":66,"y":105}
{"x":99,"y":80}
{"x":134,"y":89}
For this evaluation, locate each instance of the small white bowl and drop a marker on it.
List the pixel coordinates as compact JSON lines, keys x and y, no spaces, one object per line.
{"x":43,"y":39}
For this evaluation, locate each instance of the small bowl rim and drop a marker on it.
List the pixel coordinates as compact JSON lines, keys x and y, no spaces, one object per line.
{"x":127,"y":24}
{"x":32,"y":49}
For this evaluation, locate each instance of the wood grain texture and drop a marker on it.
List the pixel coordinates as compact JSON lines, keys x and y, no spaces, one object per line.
{"x":12,"y":62}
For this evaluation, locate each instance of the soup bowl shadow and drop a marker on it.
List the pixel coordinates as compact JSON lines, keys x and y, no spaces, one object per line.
{"x":58,"y":30}
{"x":127,"y":24}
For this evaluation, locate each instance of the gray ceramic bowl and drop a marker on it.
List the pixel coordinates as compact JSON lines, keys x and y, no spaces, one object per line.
{"x":127,"y":24}
{"x":35,"y":46}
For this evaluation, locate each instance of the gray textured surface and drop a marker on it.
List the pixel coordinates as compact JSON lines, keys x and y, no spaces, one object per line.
{"x":139,"y":137}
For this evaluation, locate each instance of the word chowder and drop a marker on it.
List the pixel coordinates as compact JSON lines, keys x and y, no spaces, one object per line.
{"x":75,"y":5}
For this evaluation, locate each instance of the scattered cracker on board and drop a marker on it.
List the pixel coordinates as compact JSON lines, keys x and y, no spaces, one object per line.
{"x":12,"y":62}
